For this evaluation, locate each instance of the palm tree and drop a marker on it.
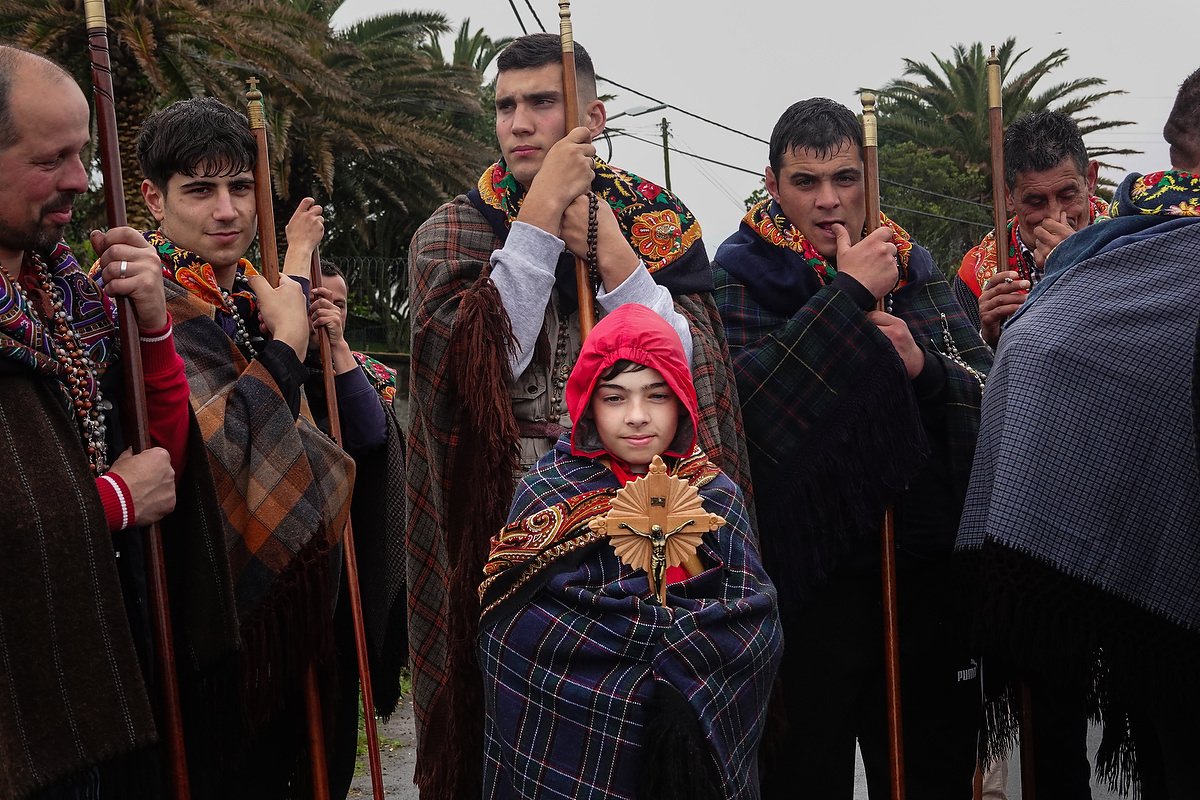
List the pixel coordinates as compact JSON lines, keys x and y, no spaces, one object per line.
{"x":391,"y":153}
{"x":360,"y":118}
{"x":476,"y":49}
{"x":943,"y":106}
{"x":164,"y":50}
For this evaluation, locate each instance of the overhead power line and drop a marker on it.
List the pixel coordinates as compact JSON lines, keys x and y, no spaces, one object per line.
{"x":520,"y":21}
{"x":749,"y":136}
{"x":536,"y":18}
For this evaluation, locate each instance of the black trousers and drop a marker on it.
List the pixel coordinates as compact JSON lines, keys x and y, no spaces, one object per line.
{"x":833,"y":692}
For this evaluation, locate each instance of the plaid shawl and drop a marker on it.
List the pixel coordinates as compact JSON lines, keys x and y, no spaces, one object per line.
{"x":461,"y":455}
{"x":284,"y":489}
{"x":1084,"y":505}
{"x":579,"y":668}
{"x":833,"y":425}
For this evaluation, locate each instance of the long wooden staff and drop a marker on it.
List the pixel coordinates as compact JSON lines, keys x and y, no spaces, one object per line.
{"x":269,"y":266}
{"x":891,"y":628}
{"x":583,"y":280}
{"x":137,"y":419}
{"x":351,"y":560}
{"x":1000,"y":221}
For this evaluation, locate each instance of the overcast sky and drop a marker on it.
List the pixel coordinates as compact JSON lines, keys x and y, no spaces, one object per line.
{"x":742,"y":63}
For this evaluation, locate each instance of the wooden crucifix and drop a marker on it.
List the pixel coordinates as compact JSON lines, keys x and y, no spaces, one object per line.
{"x":657,"y":522}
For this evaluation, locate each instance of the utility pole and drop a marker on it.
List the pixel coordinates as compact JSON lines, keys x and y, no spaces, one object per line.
{"x":666,"y":128}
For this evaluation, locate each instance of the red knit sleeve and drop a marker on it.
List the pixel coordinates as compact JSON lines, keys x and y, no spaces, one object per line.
{"x":166,"y":394}
{"x":117,"y":501}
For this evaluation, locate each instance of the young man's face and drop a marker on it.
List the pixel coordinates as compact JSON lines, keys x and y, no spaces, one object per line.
{"x":817,"y":190}
{"x":41,"y":172}
{"x":1059,"y":193}
{"x":636,"y":416}
{"x":531,"y":117}
{"x":215,"y":218}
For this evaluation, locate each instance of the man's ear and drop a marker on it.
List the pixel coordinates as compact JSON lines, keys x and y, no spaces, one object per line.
{"x":1009,"y":203}
{"x":1093,"y":175}
{"x":155,"y":199}
{"x":772,"y":183}
{"x":595,"y":116}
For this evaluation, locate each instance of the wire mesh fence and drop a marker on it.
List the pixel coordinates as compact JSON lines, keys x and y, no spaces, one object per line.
{"x":378,"y":304}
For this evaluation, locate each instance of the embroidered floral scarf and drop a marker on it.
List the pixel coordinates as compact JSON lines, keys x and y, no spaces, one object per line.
{"x":197,"y":276}
{"x":768,"y":221}
{"x":985,"y":265}
{"x":1169,"y":193}
{"x":656,"y":224}
{"x":381,"y":377}
{"x":27,"y":339}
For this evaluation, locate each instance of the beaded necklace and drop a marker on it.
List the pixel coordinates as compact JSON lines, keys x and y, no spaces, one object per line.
{"x":565,"y":365}
{"x":241,"y":336}
{"x":75,"y":371}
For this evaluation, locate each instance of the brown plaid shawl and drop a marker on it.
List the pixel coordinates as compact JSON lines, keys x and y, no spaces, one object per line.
{"x":284,"y":489}
{"x":462,"y":438}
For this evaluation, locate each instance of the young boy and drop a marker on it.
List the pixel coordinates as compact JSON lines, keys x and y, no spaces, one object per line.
{"x":592,"y":689}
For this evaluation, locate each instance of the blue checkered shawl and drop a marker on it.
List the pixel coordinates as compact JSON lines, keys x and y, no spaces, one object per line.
{"x":571,"y":667}
{"x":834,"y":427}
{"x":1087,"y":458}
{"x":1083,"y":511}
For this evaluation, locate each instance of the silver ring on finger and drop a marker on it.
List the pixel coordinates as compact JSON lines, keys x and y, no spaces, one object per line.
{"x":124,"y":269}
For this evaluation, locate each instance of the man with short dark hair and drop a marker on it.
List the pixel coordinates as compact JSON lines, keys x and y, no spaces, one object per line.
{"x":74,"y":714}
{"x":283,"y":486}
{"x":848,"y":409}
{"x":1051,"y":185}
{"x":1083,"y":511}
{"x":495,"y":332}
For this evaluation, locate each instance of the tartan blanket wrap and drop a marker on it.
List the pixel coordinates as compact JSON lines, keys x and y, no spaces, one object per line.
{"x":574,"y":667}
{"x":284,"y":487}
{"x":1090,"y":403}
{"x":1083,"y":511}
{"x":71,"y":691}
{"x":449,"y":257}
{"x":833,"y":426}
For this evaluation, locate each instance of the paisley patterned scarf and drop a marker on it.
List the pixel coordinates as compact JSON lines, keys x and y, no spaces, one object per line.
{"x":768,"y":221}
{"x":1169,"y":193}
{"x":28,"y":338}
{"x":197,"y":276}
{"x":657,"y":225}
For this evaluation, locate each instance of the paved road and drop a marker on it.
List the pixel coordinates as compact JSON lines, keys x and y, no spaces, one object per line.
{"x":397,"y":743}
{"x":398,"y":751}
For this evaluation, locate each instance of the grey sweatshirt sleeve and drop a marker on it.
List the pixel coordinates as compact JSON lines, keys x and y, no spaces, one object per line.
{"x":523,"y":272}
{"x":640,"y":288}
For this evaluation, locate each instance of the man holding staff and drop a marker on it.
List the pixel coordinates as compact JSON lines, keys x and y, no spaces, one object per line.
{"x":1084,"y":509}
{"x":74,"y":715}
{"x":1051,"y":186}
{"x":849,"y":409}
{"x":495,"y":333}
{"x":283,"y":486}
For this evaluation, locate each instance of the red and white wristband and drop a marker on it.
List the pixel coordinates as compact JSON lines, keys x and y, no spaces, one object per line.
{"x":119,"y":491}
